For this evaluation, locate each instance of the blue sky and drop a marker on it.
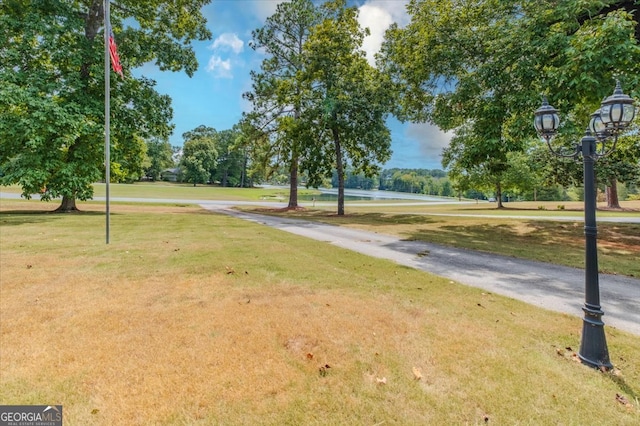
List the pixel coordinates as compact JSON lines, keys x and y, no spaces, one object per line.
{"x":213,"y":96}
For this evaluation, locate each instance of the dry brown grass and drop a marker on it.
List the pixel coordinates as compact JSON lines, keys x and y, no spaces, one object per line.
{"x":194,"y":318}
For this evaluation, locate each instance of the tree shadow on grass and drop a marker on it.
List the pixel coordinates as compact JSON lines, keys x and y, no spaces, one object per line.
{"x":546,"y":241}
{"x":21,"y":217}
{"x":379,"y":219}
{"x":536,"y":240}
{"x":539,"y":232}
{"x":624,"y":387}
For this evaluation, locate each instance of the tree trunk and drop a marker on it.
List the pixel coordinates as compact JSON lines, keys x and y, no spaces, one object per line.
{"x":499,"y":195}
{"x":340,"y":171}
{"x":612,"y":194}
{"x":68,"y":205}
{"x":293,"y":169}
{"x":244,"y":171}
{"x":293,"y":182}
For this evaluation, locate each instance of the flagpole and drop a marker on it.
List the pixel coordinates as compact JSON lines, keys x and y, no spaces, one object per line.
{"x":107,"y":113}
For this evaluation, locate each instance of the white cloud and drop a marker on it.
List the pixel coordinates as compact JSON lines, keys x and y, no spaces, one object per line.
{"x":431,"y":140}
{"x":378,"y":15}
{"x":228,"y":41}
{"x":263,"y":9}
{"x":220,"y":68}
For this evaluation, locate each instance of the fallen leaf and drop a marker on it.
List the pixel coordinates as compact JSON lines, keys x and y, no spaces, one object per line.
{"x":230,"y":270}
{"x":382,"y":381}
{"x":417,"y":374}
{"x":309,"y":356}
{"x":623,"y":400}
{"x":323,"y":370}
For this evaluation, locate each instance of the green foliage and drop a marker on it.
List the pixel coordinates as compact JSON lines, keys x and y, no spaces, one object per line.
{"x":52,"y":89}
{"x":199,"y":154}
{"x":159,"y":157}
{"x":355,"y":180}
{"x":128,"y":158}
{"x":623,"y":164}
{"x":478,"y":68}
{"x":421,"y":181}
{"x":231,"y":162}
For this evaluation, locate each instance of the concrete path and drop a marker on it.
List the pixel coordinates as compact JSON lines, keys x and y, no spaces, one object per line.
{"x":546,"y":285}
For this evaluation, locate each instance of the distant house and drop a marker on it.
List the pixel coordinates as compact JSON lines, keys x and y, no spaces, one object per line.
{"x":170,"y":175}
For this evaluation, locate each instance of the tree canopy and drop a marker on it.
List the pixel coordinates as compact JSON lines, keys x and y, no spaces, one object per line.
{"x":350,"y":101}
{"x":199,"y":154}
{"x":478,"y":68}
{"x":52,"y":88}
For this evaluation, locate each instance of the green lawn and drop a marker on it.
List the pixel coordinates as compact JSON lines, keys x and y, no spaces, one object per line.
{"x":184,"y":191}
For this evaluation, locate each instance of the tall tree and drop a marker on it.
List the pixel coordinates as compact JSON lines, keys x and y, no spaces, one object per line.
{"x":231,"y":159}
{"x":52,"y":88}
{"x":278,"y":93}
{"x":199,"y":154}
{"x":478,"y":68}
{"x":351,"y":100}
{"x":159,"y":157}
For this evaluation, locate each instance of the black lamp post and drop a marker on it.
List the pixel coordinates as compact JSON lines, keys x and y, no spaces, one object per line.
{"x":615,"y":114}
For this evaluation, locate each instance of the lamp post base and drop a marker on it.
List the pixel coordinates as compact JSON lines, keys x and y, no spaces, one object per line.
{"x":593,"y":346}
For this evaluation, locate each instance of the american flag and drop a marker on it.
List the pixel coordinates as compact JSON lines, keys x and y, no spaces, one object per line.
{"x":113,"y":52}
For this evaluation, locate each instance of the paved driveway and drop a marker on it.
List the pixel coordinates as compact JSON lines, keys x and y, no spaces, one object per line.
{"x":546,"y":285}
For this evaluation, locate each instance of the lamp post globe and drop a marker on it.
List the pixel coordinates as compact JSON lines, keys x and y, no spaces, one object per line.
{"x":596,"y":125}
{"x":617,"y":111}
{"x":546,"y":120}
